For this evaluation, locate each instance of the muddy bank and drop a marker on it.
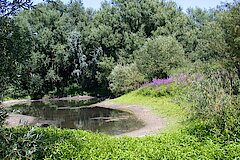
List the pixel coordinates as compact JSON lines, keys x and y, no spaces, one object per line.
{"x":14,"y":120}
{"x":152,"y":123}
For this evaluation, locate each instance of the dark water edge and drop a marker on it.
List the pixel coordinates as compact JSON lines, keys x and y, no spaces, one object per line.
{"x":79,"y":115}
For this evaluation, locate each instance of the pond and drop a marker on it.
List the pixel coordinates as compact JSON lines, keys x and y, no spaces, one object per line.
{"x":78,"y":115}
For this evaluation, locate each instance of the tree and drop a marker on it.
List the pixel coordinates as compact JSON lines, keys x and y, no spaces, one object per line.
{"x":78,"y":58}
{"x":229,"y":18}
{"x":10,"y":8}
{"x":11,"y":49}
{"x":47,"y":66}
{"x":159,"y":56}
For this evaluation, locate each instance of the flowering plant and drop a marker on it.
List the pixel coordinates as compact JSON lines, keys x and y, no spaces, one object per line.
{"x":172,"y":85}
{"x":158,"y":82}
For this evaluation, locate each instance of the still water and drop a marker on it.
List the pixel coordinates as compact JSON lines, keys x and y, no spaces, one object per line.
{"x":77,"y":115}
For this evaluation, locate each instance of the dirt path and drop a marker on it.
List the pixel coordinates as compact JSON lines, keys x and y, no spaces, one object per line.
{"x":152,"y":122}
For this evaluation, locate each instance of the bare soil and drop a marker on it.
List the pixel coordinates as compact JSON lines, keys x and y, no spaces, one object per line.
{"x":152,"y":123}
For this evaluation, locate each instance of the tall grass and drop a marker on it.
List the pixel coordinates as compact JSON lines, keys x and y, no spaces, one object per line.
{"x":214,"y":100}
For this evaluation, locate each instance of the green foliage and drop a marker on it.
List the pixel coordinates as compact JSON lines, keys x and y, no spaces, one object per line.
{"x":9,"y":8}
{"x":205,"y":38}
{"x":214,"y":100}
{"x":124,"y":79}
{"x":105,"y":66}
{"x":74,"y":89}
{"x":63,"y":49}
{"x":158,"y":56}
{"x":173,"y":146}
{"x":78,"y":57}
{"x":55,"y":45}
{"x":13,"y":47}
{"x":19,"y":143}
{"x":14,"y":92}
{"x":3,"y":116}
{"x":36,"y":86}
{"x":75,"y":144}
{"x":211,"y":45}
{"x":229,"y":19}
{"x":159,"y":91}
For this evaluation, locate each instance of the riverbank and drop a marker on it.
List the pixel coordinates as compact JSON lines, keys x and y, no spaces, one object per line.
{"x":152,"y":123}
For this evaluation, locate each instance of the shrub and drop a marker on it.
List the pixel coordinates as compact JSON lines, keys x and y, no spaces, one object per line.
{"x":19,"y":143}
{"x":159,"y":87}
{"x":162,"y":90}
{"x":125,"y":78}
{"x":73,"y":89}
{"x":172,"y":86}
{"x":36,"y":86}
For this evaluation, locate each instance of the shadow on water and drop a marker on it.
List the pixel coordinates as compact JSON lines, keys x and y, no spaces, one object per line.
{"x":78,"y":115}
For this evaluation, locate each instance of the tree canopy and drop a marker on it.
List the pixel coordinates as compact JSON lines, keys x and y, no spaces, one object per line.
{"x":55,"y":48}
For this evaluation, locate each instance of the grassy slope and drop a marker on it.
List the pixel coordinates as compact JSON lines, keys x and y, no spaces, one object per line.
{"x":163,"y":107}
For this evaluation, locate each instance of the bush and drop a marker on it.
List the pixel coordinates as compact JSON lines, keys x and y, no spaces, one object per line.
{"x":19,"y":143}
{"x":125,"y":78}
{"x":159,"y":87}
{"x":174,"y":86}
{"x":162,"y":90}
{"x":36,"y":86}
{"x":3,"y":116}
{"x":159,"y":56}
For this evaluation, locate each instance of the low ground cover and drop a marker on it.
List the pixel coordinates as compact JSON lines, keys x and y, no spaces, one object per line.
{"x":52,"y":143}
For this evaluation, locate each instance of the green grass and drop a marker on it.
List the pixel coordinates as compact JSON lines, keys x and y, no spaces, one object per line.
{"x":161,"y":106}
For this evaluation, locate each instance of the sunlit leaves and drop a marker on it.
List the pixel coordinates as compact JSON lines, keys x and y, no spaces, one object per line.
{"x":158,"y":56}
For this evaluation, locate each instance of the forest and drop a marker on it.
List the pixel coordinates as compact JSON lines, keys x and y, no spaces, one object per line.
{"x":54,"y":49}
{"x":58,"y":50}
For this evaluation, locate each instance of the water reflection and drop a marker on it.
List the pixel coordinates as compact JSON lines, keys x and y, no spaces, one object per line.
{"x":71,"y":114}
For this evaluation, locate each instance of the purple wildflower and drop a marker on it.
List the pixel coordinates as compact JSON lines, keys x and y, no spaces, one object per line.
{"x":198,"y":77}
{"x":182,"y":77}
{"x":158,"y":82}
